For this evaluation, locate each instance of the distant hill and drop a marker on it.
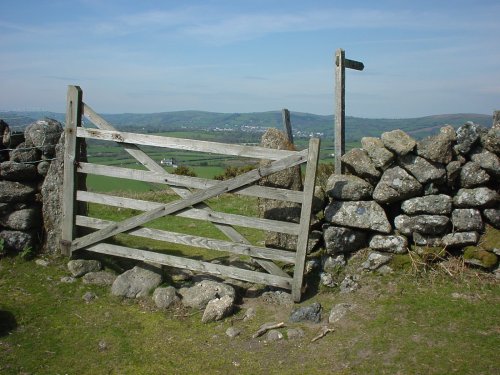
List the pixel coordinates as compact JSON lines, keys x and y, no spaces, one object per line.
{"x":356,"y":127}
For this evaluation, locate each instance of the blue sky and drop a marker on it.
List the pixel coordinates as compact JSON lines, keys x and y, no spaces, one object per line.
{"x":421,"y":57}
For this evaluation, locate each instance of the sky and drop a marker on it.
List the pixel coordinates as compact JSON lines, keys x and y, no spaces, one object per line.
{"x":421,"y":57}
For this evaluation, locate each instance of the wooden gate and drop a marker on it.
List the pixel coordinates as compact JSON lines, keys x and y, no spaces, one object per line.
{"x":192,"y":193}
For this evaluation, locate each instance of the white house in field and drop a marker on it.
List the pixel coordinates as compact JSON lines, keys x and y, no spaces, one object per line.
{"x":169,"y":162}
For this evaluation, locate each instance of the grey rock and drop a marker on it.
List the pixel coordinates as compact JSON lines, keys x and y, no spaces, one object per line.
{"x":438,"y":148}
{"x":274,"y":335}
{"x":44,"y":135}
{"x":102,"y":346}
{"x":359,"y":163}
{"x":24,"y":220}
{"x":43,"y":168}
{"x":99,"y":278}
{"x":491,"y":140}
{"x":327,"y":280}
{"x":344,"y":240}
{"x":311,"y":313}
{"x":396,"y":185}
{"x":427,"y":240}
{"x":348,"y":187}
{"x":294,"y":333}
{"x":339,"y":311}
{"x":137,"y":282}
{"x":384,"y":270}
{"x":42,"y":262}
{"x":453,"y":172}
{"x":472,"y":175}
{"x":79,"y":267}
{"x":201,"y":293}
{"x":424,"y":171}
{"x":277,"y":297}
{"x":10,"y":170}
{"x":460,"y":239}
{"x":488,"y":161}
{"x":467,"y":136}
{"x":232,"y":332}
{"x":249,"y":314}
{"x":13,"y":191}
{"x":16,"y":241}
{"x":319,"y":199}
{"x":164,"y":297}
{"x":431,"y":204}
{"x":311,"y":265}
{"x":390,"y":244}
{"x":332,"y":264}
{"x":23,"y":153}
{"x":360,"y":214}
{"x":89,"y":297}
{"x":349,"y":284}
{"x":466,"y":220}
{"x":492,"y":215}
{"x":375,"y":260}
{"x":68,"y":279}
{"x":398,"y":141}
{"x":423,"y":224}
{"x":218,"y":309}
{"x":381,"y":157}
{"x":478,"y":197}
{"x":431,"y":189}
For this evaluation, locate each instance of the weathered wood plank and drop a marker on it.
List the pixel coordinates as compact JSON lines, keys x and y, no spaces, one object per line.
{"x":195,"y":241}
{"x":305,"y":218}
{"x":339,"y":147}
{"x":191,"y":213}
{"x":285,"y":114}
{"x":193,"y":265}
{"x":189,"y":182}
{"x":199,"y":196}
{"x":184,"y":192}
{"x":71,"y":154}
{"x":185,"y":144}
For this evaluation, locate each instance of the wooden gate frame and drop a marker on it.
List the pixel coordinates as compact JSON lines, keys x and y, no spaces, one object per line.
{"x":191,"y":203}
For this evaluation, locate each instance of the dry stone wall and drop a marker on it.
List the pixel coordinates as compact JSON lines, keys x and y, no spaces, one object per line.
{"x":25,"y":160}
{"x":399,"y":192}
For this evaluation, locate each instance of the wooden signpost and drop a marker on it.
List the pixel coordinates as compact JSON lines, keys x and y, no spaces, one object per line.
{"x":341,"y":63}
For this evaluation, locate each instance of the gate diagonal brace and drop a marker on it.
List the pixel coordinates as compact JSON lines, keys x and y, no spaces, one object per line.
{"x":220,"y":188}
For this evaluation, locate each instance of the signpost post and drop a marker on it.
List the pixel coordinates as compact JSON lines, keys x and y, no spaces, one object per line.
{"x":341,"y":63}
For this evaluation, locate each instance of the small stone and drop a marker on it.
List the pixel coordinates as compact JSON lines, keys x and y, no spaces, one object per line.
{"x":472,"y":175}
{"x":384,"y":270}
{"x":430,"y":204}
{"x":359,"y":163}
{"x":492,"y":215}
{"x":232,"y":332}
{"x":89,"y":297}
{"x":349,"y":284}
{"x":438,"y":148}
{"x":390,"y":244}
{"x":310,"y":313}
{"x":79,"y":267}
{"x":42,"y":262}
{"x":199,"y":295}
{"x":102,"y":345}
{"x":165,"y":297}
{"x":137,"y":282}
{"x":426,"y":240}
{"x":359,"y":214}
{"x":218,"y":309}
{"x":466,"y":219}
{"x":99,"y":278}
{"x":277,"y":297}
{"x":332,"y":264}
{"x":274,"y":335}
{"x":375,"y":260}
{"x":453,"y":172}
{"x":348,"y":187}
{"x":294,"y":333}
{"x":344,"y":240}
{"x":311,"y":265}
{"x":460,"y":239}
{"x":467,"y":136}
{"x":68,"y":279}
{"x":488,"y":161}
{"x":339,"y":311}
{"x":249,"y":314}
{"x":381,"y":157}
{"x":478,"y":197}
{"x":326,"y":279}
{"x":423,"y":170}
{"x":398,"y":141}
{"x":424,"y":224}
{"x":396,"y":185}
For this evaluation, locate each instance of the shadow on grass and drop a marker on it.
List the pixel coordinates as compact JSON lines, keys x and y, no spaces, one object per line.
{"x":7,"y":322}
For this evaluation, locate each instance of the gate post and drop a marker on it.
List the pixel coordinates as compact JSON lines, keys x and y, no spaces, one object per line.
{"x":74,"y":111}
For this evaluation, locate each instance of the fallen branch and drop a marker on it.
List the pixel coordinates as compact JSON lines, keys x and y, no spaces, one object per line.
{"x":324,"y":331}
{"x":266,"y":327}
